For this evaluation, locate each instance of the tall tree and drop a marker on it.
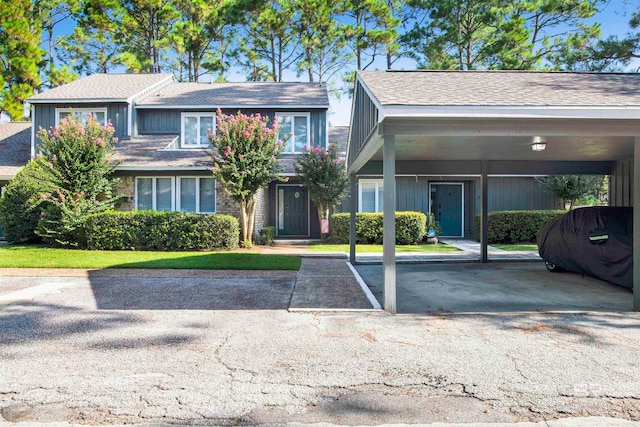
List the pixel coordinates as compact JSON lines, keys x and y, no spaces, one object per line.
{"x":20,"y":55}
{"x":322,"y":39}
{"x":268,"y":44}
{"x":498,"y":34}
{"x":203,"y":33}
{"x":52,"y":13}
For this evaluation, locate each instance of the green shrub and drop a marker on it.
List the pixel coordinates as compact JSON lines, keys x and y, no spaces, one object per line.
{"x":410,"y":227}
{"x":516,"y":226}
{"x":160,"y":231}
{"x":267,"y":234}
{"x":432,"y":224}
{"x":21,"y":206}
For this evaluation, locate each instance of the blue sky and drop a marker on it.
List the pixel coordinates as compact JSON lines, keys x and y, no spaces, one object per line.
{"x":613,"y":18}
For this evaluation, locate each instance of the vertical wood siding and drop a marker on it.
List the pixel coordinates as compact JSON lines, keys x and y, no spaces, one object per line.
{"x":162,"y":121}
{"x":621,"y":184}
{"x":365,"y":119}
{"x":117,"y":114}
{"x":519,"y":193}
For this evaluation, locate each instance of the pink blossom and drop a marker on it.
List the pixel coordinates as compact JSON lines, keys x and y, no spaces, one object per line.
{"x":50,"y":165}
{"x":286,"y":179}
{"x":247,"y":134}
{"x":43,"y":196}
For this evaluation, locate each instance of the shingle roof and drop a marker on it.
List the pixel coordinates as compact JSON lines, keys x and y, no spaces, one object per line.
{"x":502,"y":88}
{"x":148,"y":151}
{"x":15,"y":147}
{"x":107,"y":87}
{"x":339,"y":134}
{"x":238,"y":95}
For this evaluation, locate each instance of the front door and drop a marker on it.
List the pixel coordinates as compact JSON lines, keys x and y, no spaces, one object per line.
{"x":293,"y":211}
{"x":447,"y":205}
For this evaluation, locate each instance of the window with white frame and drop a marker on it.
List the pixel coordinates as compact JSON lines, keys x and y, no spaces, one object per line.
{"x":196,"y":194}
{"x":183,"y":194}
{"x":155,"y":193}
{"x":370,"y":193}
{"x":294,"y":127}
{"x":82,"y":114}
{"x":195,"y":129}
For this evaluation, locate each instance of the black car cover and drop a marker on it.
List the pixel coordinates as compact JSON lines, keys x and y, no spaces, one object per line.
{"x":594,"y":241}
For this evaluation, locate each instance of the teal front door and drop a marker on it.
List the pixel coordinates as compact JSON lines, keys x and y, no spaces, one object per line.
{"x":446,"y":205}
{"x":293,"y":211}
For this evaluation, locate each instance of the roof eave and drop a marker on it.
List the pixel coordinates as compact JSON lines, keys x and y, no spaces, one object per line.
{"x":77,"y":100}
{"x":230,"y":106}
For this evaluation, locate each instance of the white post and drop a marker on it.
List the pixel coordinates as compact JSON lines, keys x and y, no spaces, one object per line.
{"x":353,"y":207}
{"x":484,"y":211}
{"x":636,"y":224}
{"x":389,"y":223}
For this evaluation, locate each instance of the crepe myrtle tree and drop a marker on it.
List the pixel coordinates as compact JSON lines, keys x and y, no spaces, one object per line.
{"x":77,"y":156}
{"x":325,"y":176}
{"x":245,"y":160}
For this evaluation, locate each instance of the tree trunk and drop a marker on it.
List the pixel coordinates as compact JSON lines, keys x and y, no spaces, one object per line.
{"x":323,"y":213}
{"x":247,"y":219}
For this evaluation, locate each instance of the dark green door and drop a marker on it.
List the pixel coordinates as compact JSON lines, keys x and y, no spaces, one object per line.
{"x":294,"y":218}
{"x":446,"y":205}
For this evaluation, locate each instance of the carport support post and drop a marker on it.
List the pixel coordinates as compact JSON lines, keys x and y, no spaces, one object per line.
{"x":484,"y":210}
{"x":353,"y":206}
{"x":636,"y":224}
{"x":389,"y":223}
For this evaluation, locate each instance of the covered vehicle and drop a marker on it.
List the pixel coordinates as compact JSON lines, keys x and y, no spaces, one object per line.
{"x":595,"y":241}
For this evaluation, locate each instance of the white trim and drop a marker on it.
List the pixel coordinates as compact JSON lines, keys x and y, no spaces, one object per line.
{"x":374,"y":302}
{"x":161,"y":168}
{"x":231,"y":106}
{"x":81,"y":110}
{"x":378,"y":203}
{"x":6,"y":177}
{"x":461,"y":184}
{"x":168,"y":79}
{"x":308,"y":211}
{"x":33,"y":132}
{"x":199,"y":115}
{"x":197,"y":178}
{"x":497,"y":111}
{"x":295,"y":114}
{"x":154,"y":193}
{"x":129,"y":118}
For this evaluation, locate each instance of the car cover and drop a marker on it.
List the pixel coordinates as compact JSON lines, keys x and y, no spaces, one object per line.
{"x":594,"y":241}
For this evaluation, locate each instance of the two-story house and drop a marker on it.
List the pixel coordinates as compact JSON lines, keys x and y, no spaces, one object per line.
{"x":162,"y":128}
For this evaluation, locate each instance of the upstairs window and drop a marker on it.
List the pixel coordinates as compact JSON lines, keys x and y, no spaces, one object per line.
{"x":294,"y":127}
{"x":370,"y":197}
{"x":82,"y":114}
{"x":196,"y":128}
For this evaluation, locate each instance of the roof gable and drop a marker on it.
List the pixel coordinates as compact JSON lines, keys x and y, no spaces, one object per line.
{"x":103,"y":88}
{"x":502,"y":88}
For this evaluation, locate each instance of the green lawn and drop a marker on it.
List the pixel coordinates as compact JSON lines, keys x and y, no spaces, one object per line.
{"x":518,"y":247}
{"x":25,"y":256}
{"x":378,"y":248}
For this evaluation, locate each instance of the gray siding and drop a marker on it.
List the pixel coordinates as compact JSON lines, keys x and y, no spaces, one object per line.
{"x":520,"y":193}
{"x":117,"y":114}
{"x":366,"y":118}
{"x":621,"y":184}
{"x":159,"y":121}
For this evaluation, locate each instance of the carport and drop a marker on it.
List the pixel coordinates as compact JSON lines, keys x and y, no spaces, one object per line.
{"x":487,"y":123}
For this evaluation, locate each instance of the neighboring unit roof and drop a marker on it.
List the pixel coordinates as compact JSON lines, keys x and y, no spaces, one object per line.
{"x":502,"y":88}
{"x":15,"y":147}
{"x":149,"y":152}
{"x":103,"y":87}
{"x":339,"y":135}
{"x":245,"y":94}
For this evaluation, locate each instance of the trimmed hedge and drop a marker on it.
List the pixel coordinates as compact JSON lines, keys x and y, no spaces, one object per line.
{"x":267,"y":234}
{"x":410,"y":227}
{"x":161,"y":231}
{"x":516,"y":226}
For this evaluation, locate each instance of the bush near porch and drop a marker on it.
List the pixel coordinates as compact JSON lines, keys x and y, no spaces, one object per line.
{"x":516,"y":226}
{"x":161,"y":231}
{"x":410,"y":227}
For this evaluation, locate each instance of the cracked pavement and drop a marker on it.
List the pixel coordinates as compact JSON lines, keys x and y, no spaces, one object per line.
{"x":105,"y":350}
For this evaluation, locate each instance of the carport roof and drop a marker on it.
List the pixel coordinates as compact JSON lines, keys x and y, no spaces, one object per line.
{"x":502,"y":88}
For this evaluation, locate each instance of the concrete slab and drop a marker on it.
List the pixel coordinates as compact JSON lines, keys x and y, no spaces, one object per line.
{"x":496,"y":287}
{"x":327,"y":284}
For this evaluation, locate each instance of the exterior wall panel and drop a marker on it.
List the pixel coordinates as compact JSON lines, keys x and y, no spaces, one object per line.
{"x":621,"y":184}
{"x":162,"y":121}
{"x":519,"y":193}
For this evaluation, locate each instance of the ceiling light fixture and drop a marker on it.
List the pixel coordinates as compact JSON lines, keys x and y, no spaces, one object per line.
{"x":539,"y":143}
